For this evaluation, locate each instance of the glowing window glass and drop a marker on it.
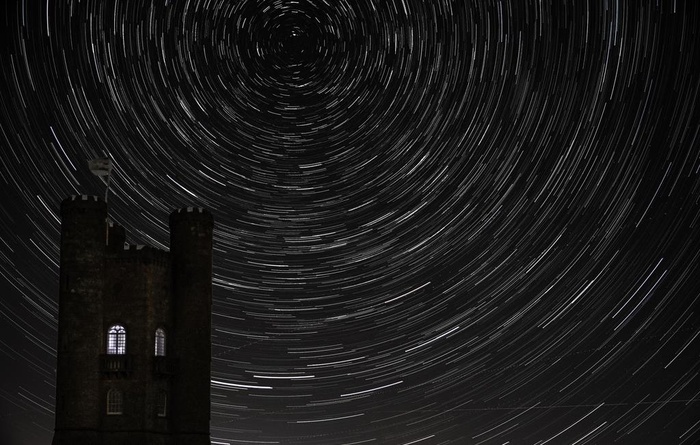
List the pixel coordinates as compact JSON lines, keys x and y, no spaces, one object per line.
{"x":116,"y":340}
{"x":160,"y":342}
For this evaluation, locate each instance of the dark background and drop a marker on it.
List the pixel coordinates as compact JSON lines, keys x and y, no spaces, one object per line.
{"x":438,"y":222}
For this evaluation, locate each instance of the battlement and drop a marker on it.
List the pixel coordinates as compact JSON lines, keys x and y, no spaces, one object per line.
{"x":191,"y":214}
{"x":84,"y":198}
{"x":83,"y":202}
{"x":139,"y":253}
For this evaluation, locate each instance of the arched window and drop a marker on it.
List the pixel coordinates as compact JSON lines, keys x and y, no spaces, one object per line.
{"x":116,"y":340}
{"x":160,"y":342}
{"x":115,"y":402}
{"x":162,"y":404}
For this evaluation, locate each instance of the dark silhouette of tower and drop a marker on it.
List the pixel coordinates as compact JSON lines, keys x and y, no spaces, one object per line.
{"x":80,"y":337}
{"x":191,"y":253}
{"x":134,"y":331}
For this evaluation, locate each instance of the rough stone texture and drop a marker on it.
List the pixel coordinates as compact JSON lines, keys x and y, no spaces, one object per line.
{"x":104,"y":283}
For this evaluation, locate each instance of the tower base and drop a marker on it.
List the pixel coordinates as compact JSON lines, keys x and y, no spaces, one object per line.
{"x":76,"y":437}
{"x":191,"y":439}
{"x":83,"y":437}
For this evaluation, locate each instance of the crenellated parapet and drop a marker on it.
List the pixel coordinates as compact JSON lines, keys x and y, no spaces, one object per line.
{"x":139,"y":254}
{"x":193,"y":214}
{"x":82,"y":202}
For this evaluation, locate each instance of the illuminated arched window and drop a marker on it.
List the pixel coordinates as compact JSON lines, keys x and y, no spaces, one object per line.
{"x":160,"y":342}
{"x":116,"y":340}
{"x":115,"y":402}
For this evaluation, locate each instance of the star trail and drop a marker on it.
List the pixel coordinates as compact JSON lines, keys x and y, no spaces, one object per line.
{"x":437,"y":222}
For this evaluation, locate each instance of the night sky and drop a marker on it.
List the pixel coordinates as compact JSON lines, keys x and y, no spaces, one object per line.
{"x":437,"y":221}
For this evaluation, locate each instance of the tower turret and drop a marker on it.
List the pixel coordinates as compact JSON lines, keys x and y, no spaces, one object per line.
{"x":83,"y":235}
{"x":116,"y":237}
{"x":191,"y":255}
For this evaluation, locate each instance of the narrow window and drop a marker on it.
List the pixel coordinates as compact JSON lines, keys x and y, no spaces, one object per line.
{"x":160,"y":342}
{"x":162,"y":404}
{"x":116,"y":340}
{"x":115,"y":402}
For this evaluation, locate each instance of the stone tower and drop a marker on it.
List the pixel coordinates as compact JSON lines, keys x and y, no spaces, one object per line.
{"x":134,"y":331}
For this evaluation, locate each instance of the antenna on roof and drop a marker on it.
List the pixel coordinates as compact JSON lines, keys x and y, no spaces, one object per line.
{"x":101,"y":167}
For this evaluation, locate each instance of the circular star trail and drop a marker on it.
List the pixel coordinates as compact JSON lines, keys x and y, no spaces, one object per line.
{"x":437,"y":222}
